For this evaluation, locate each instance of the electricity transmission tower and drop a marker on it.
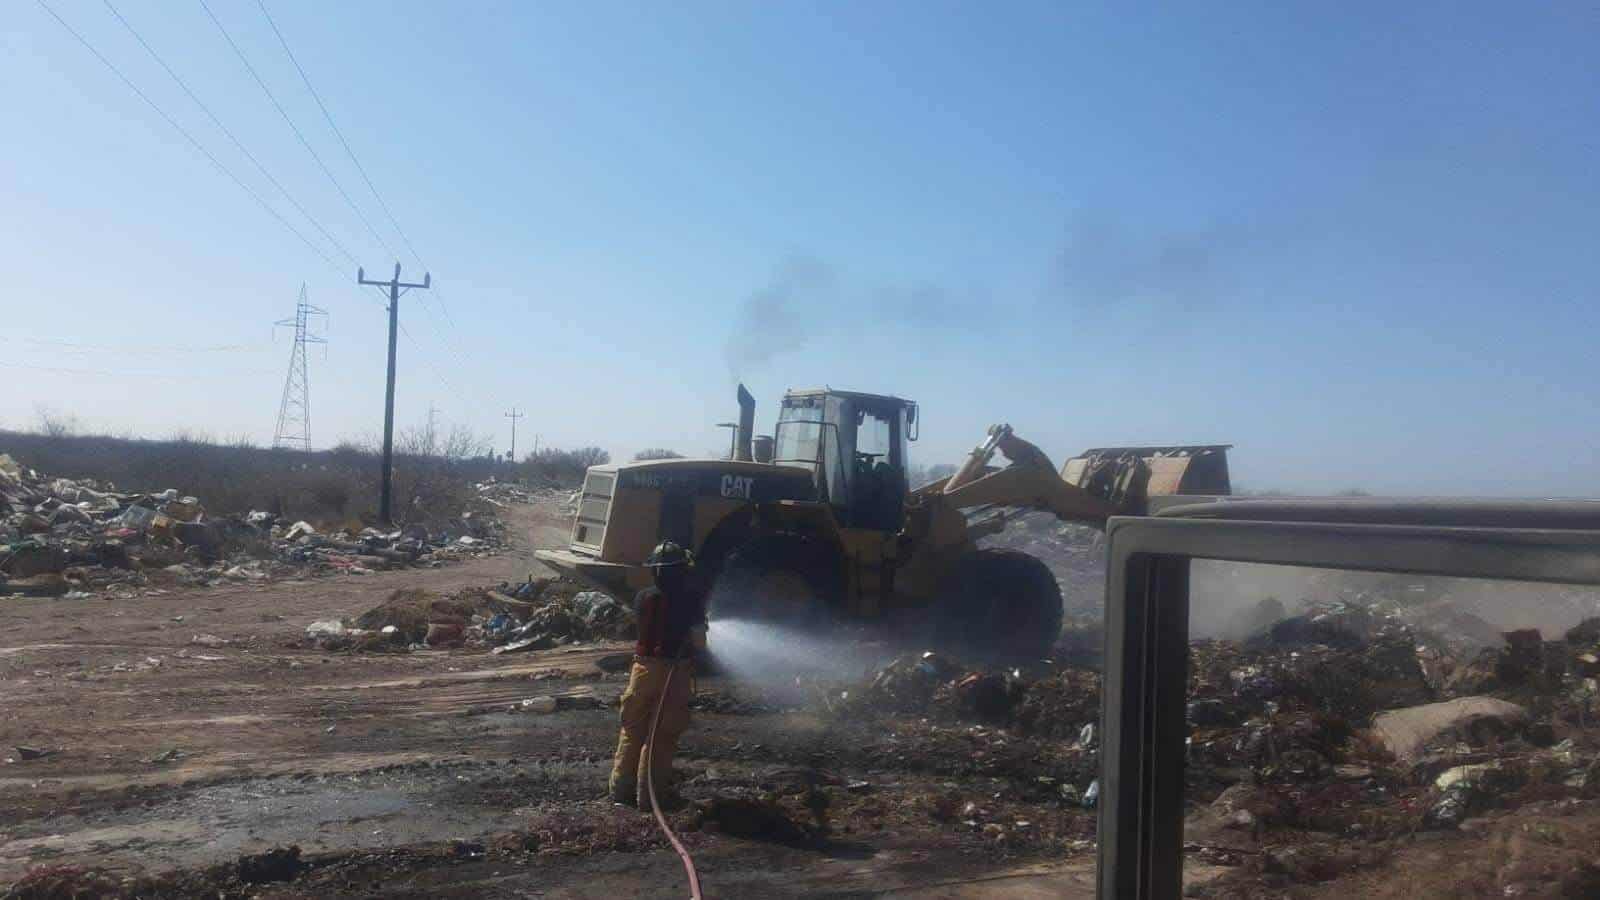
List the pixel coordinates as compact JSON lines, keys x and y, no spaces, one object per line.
{"x":294,"y":412}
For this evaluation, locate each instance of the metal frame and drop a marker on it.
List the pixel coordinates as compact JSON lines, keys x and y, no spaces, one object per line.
{"x":1147,"y":624}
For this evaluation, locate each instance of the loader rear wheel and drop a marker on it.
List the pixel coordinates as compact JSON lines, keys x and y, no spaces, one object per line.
{"x":777,"y":579}
{"x":999,"y":605}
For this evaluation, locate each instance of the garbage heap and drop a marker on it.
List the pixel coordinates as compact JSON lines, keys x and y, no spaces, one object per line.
{"x":1343,"y":725}
{"x":537,"y":614}
{"x":1318,"y":741}
{"x":61,"y":536}
{"x":505,"y":493}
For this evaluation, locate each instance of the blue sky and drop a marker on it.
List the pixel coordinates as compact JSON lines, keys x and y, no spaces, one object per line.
{"x":1359,"y":243}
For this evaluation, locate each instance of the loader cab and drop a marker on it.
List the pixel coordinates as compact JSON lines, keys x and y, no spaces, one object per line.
{"x":855,"y":445}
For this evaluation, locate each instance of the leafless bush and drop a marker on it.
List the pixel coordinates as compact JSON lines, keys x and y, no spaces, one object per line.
{"x":561,"y":467}
{"x":55,"y":425}
{"x":333,"y":494}
{"x":431,"y":471}
{"x":656,"y":453}
{"x":191,"y":437}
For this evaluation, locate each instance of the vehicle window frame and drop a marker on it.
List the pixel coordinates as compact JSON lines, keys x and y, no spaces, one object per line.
{"x":1140,"y":852}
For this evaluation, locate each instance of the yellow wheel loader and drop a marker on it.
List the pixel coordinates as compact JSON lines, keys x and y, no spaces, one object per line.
{"x":815,"y":522}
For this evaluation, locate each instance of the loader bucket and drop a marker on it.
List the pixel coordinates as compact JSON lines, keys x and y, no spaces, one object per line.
{"x":1126,"y":476}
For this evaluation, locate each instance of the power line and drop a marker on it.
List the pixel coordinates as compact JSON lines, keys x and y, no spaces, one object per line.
{"x":224,"y":129}
{"x":445,"y":335}
{"x":321,"y":254}
{"x":296,"y":129}
{"x":216,"y":163}
{"x":76,"y":347}
{"x":138,"y":373}
{"x":444,"y":310}
{"x":189,"y":137}
{"x":346,"y":144}
{"x":220,"y":167}
{"x":443,"y":378}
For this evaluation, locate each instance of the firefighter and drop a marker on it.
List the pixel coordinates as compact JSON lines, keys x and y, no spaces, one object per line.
{"x":671,"y":628}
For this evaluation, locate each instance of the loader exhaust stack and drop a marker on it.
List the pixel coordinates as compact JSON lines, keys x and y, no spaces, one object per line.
{"x":747,"y":423}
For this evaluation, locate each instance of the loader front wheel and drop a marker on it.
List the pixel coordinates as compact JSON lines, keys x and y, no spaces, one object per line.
{"x":999,"y":605}
{"x":779,"y":580}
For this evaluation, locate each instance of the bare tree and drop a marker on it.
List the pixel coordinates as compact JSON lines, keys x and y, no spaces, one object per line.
{"x":54,"y":424}
{"x":463,"y":443}
{"x":426,"y":477}
{"x":656,"y":453}
{"x":563,"y":467}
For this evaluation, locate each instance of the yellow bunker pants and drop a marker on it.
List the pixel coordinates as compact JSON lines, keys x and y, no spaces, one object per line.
{"x":645,"y":684}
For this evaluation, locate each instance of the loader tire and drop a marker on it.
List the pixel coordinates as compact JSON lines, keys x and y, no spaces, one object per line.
{"x":781,"y":579}
{"x":999,"y":605}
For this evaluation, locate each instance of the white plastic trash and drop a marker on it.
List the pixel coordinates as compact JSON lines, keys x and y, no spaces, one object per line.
{"x":325,"y":628}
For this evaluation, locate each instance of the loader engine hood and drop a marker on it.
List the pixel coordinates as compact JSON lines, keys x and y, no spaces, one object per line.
{"x":624,"y":510}
{"x":720,"y":478}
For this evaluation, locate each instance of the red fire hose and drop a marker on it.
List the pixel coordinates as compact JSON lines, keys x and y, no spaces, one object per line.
{"x":650,"y":781}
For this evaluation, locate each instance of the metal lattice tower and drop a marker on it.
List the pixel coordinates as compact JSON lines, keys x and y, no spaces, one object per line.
{"x":294,"y":412}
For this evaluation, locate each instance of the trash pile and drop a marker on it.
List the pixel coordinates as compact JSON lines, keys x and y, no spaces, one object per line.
{"x":1343,"y":724}
{"x":1058,"y":704}
{"x":1345,"y":727}
{"x":62,"y":536}
{"x":537,"y":614}
{"x":504,"y":493}
{"x":1397,"y":723}
{"x":560,"y":618}
{"x":370,"y":549}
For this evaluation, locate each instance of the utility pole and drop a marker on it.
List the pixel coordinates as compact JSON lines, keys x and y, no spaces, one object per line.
{"x":294,"y":410}
{"x":394,"y":285}
{"x":514,"y":416}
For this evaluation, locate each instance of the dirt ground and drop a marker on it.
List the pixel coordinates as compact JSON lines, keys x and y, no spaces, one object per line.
{"x":172,"y":754}
{"x":409,"y":775}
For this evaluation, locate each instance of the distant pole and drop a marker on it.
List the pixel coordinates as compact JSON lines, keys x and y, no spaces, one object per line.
{"x":394,"y":285}
{"x":514,"y":416}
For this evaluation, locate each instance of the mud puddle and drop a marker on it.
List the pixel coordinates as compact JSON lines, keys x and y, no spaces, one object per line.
{"x":410,"y":804}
